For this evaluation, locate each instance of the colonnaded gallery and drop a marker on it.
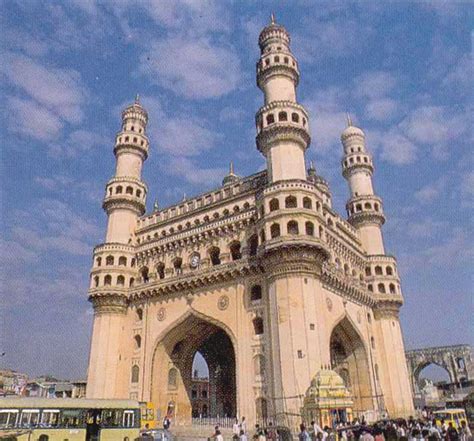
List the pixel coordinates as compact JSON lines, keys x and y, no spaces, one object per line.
{"x":275,"y":289}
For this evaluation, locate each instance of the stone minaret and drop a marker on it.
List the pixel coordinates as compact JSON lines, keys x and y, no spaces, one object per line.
{"x":282,"y":124}
{"x":365,"y":213}
{"x":114,"y":268}
{"x":364,"y":208}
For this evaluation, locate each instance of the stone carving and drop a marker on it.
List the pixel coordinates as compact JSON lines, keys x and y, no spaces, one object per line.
{"x":223,"y":303}
{"x":161,"y":314}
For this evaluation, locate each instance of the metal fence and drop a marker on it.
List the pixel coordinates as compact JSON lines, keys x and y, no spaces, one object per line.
{"x":225,"y":422}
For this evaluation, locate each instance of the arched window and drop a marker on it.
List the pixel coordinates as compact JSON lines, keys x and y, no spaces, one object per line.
{"x":122,"y":261}
{"x":214,"y":254}
{"x":109,"y":260}
{"x":140,"y":314}
{"x":392,"y":288}
{"x":236,"y":209}
{"x":173,"y":378}
{"x":129,"y":190}
{"x":235,"y":252}
{"x":321,"y":232}
{"x":120,"y":280}
{"x":307,"y":203}
{"x":258,"y":325}
{"x":282,"y":116}
{"x":132,"y":282}
{"x":160,"y":270}
{"x":255,"y":293}
{"x":295,"y":117}
{"x":98,"y":261}
{"x":372,"y":342}
{"x":376,"y":206}
{"x":274,"y":230}
{"x":277,"y":59}
{"x":274,"y":204}
{"x":330,"y":222}
{"x":133,"y":263}
{"x":290,"y":202}
{"x":367,"y":206}
{"x":370,"y":287}
{"x":292,"y":228}
{"x":309,"y":226}
{"x":381,"y":288}
{"x":367,"y":271}
{"x":369,"y":318}
{"x":270,"y":119}
{"x":135,"y":373}
{"x":253,"y":245}
{"x":42,"y":437}
{"x":119,"y":189}
{"x":378,"y":271}
{"x":389,"y":270}
{"x":108,"y":280}
{"x":346,"y":269}
{"x":96,"y":281}
{"x":138,"y":341}
{"x":177,"y":264}
{"x":144,"y":274}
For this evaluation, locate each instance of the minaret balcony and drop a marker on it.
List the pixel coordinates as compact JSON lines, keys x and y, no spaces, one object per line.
{"x":124,"y":201}
{"x":133,"y":142}
{"x":363,"y":204}
{"x":277,"y":64}
{"x":356,"y":162}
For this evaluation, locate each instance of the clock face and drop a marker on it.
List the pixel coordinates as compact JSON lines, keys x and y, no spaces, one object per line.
{"x":194,"y":261}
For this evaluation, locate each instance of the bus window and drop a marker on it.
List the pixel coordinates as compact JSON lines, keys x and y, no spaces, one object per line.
{"x":128,"y":418}
{"x":29,"y":417}
{"x":50,"y":418}
{"x":111,"y":418}
{"x":71,"y":418}
{"x":8,"y":417}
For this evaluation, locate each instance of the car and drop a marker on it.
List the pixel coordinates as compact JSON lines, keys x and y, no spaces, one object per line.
{"x":155,"y":435}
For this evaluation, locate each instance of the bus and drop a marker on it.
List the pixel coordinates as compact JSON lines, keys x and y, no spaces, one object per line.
{"x":71,"y":419}
{"x":454,"y":416}
{"x":147,"y":415}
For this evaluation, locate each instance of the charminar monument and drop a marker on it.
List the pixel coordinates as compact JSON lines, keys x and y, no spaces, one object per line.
{"x":260,"y":275}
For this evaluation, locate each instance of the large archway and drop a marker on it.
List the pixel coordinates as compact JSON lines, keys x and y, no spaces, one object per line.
{"x":349,"y":359}
{"x":173,"y":385}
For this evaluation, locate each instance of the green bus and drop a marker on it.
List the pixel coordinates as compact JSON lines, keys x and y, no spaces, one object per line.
{"x":68,"y":419}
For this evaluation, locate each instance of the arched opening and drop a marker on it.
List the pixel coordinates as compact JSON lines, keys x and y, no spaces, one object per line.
{"x":138,"y":342}
{"x":253,"y":245}
{"x":274,"y":204}
{"x":178,"y":265}
{"x":144,"y":273}
{"x":292,"y":228}
{"x":199,"y":359}
{"x":140,"y":314}
{"x":258,"y":325}
{"x":309,"y":226}
{"x":274,"y":230}
{"x":160,"y":270}
{"x":214,"y":255}
{"x":96,"y":281}
{"x":307,"y":203}
{"x":122,"y":261}
{"x":135,"y":373}
{"x":349,"y":359}
{"x":378,"y":271}
{"x":256,"y":293}
{"x":431,"y":381}
{"x":109,"y":260}
{"x":235,"y":252}
{"x":290,"y":202}
{"x":282,"y":116}
{"x":108,"y":280}
{"x":120,"y":280}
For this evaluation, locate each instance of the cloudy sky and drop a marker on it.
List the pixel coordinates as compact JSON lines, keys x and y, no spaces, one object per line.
{"x":403,"y":70}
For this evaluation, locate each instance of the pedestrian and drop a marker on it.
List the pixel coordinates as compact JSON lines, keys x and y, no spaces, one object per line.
{"x":243,"y":425}
{"x":451,"y":433}
{"x":242,"y":436}
{"x":365,"y":434}
{"x":303,"y":435}
{"x":236,"y":429}
{"x":465,"y":433}
{"x":218,"y":436}
{"x":166,"y":423}
{"x":271,"y":432}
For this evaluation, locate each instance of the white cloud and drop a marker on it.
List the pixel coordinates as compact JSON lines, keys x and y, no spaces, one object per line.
{"x":60,"y":91}
{"x":194,"y":68}
{"x":430,"y":192}
{"x":394,"y":147}
{"x":78,"y":141}
{"x":381,"y":109}
{"x":28,"y":118}
{"x":192,"y":173}
{"x":425,"y":229}
{"x":374,"y":84}
{"x":459,"y":78}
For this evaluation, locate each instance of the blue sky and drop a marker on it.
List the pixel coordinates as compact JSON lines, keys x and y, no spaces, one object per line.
{"x":403,"y":70}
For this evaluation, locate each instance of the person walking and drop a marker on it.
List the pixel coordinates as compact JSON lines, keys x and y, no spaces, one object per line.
{"x":303,"y":435}
{"x":465,"y":433}
{"x":242,"y":436}
{"x":236,"y":430}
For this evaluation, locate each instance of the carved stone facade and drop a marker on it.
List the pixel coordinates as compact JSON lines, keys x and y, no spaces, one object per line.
{"x":457,"y":360}
{"x":260,"y":275}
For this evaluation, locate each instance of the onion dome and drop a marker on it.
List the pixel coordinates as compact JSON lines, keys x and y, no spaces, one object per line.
{"x":273,"y":31}
{"x":351,"y":130}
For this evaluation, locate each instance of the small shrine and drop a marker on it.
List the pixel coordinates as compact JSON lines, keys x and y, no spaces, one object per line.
{"x":327,"y":400}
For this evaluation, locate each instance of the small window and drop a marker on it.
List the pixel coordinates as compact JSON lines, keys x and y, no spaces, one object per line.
{"x":300,"y":353}
{"x":108,"y":280}
{"x":270,"y":119}
{"x":256,"y":293}
{"x":122,"y":261}
{"x":109,"y":260}
{"x":139,"y":193}
{"x":307,"y":203}
{"x":172,"y":378}
{"x":282,"y":116}
{"x":160,"y":270}
{"x":138,"y":341}
{"x":381,"y":288}
{"x":129,"y":190}
{"x":145,"y":275}
{"x":378,"y":271}
{"x":367,"y":271}
{"x":120,"y":280}
{"x":295,"y":117}
{"x":392,"y":289}
{"x":214,"y":254}
{"x":292,"y":228}
{"x":135,"y":373}
{"x":235,"y":251}
{"x":309,"y":226}
{"x":98,"y":261}
{"x":258,"y":325}
{"x":290,"y":202}
{"x":274,"y":230}
{"x":389,"y":271}
{"x":96,"y":281}
{"x":277,"y":59}
{"x":286,"y":60}
{"x":274,"y":204}
{"x":370,"y":287}
{"x":132,"y":282}
{"x":253,"y":245}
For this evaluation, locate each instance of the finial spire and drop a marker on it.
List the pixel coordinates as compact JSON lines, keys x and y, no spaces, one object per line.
{"x":349,"y":120}
{"x":311,"y":165}
{"x":137,"y":99}
{"x":272,"y":18}
{"x":231,"y":168}
{"x":155,"y":205}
